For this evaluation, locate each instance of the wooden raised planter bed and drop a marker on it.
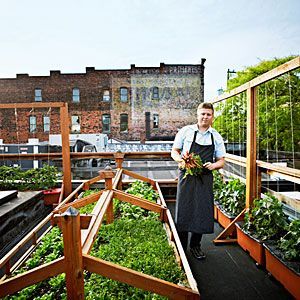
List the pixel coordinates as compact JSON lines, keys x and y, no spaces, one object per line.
{"x":79,"y":233}
{"x":287,"y":273}
{"x":251,"y":245}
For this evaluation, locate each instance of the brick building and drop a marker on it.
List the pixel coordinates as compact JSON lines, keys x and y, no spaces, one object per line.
{"x":131,"y":104}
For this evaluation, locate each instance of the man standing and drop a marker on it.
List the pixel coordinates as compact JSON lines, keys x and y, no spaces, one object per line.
{"x":194,"y":201}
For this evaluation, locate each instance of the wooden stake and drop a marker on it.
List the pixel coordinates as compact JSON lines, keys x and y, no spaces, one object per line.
{"x":70,"y":221}
{"x":64,"y":128}
{"x":251,"y":179}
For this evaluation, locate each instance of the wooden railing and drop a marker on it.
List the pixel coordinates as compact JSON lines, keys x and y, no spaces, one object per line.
{"x":255,"y":167}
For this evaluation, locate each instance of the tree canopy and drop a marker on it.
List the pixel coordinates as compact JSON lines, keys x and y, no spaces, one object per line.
{"x":278,"y":110}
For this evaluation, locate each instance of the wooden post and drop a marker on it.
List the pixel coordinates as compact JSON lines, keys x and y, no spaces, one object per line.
{"x":64,"y":128}
{"x":108,"y":175}
{"x":119,"y":158}
{"x":70,"y":222}
{"x":251,"y":176}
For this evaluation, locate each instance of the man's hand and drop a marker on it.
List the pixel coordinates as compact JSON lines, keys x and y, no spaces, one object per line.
{"x":210,"y":166}
{"x":181,"y":164}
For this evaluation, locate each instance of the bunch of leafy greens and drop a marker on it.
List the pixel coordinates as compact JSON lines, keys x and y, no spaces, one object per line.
{"x":192,"y":164}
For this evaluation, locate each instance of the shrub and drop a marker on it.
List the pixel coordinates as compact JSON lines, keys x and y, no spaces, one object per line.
{"x":289,"y":244}
{"x":266,"y":218}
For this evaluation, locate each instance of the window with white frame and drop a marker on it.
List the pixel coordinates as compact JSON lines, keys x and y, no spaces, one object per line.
{"x":123,"y":122}
{"x":32,"y":124}
{"x":75,"y":124}
{"x":106,"y":123}
{"x":38,"y":95}
{"x":106,"y":96}
{"x":155,"y":120}
{"x":46,"y":123}
{"x":155,"y":93}
{"x":123,"y":94}
{"x":76,"y":95}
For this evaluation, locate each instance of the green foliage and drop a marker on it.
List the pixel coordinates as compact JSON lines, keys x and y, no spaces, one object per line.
{"x":231,"y":196}
{"x":127,"y":210}
{"x":266,"y":218}
{"x":87,"y":209}
{"x":278,"y":104}
{"x":138,"y":243}
{"x":289,"y":244}
{"x":33,"y":179}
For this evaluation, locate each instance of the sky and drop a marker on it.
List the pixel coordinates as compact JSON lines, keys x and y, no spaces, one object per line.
{"x":39,"y":36}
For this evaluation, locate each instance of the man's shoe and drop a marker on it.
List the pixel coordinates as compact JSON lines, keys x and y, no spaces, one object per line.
{"x":197,"y":252}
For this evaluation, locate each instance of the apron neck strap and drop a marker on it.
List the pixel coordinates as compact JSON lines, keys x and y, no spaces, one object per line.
{"x":195,"y":134}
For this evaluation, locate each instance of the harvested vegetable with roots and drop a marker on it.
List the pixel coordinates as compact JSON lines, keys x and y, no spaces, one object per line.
{"x":192,"y":164}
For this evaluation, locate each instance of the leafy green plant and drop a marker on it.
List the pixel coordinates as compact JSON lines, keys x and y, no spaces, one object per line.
{"x":289,"y":244}
{"x":266,"y":218}
{"x":140,"y":189}
{"x":33,"y":179}
{"x":231,"y":195}
{"x":138,"y":243}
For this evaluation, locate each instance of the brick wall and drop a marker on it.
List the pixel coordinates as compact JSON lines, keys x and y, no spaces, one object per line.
{"x":180,"y":90}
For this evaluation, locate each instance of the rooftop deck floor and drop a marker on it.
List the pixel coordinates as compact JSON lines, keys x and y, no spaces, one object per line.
{"x":228,"y":272}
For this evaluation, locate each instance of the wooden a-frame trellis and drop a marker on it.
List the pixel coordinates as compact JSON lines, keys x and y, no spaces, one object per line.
{"x":80,"y":231}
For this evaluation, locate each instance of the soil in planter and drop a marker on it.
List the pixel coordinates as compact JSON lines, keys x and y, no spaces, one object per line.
{"x":292,"y":265}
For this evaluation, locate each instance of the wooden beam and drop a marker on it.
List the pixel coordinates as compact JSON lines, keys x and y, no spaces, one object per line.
{"x":170,"y":223}
{"x":117,"y":181}
{"x":137,"y":279}
{"x":223,"y":236}
{"x":79,"y":202}
{"x":138,"y":176}
{"x":98,"y":213}
{"x":31,"y":277}
{"x":251,"y":176}
{"x":135,"y":200}
{"x":70,"y":222}
{"x":238,"y":160}
{"x":84,"y":221}
{"x":32,"y":105}
{"x":64,"y":129}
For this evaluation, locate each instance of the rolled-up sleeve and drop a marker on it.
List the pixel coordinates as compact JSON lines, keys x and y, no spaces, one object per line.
{"x":178,"y":142}
{"x":220,"y":150}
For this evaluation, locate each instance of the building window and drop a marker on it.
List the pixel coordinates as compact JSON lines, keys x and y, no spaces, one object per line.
{"x":123,"y":122}
{"x":106,"y":123}
{"x":75,"y":126}
{"x":124,"y":94}
{"x":38,"y":95}
{"x":76,"y":95}
{"x":155,"y":120}
{"x":155,"y":93}
{"x":46,"y":121}
{"x":106,"y":96}
{"x":32,"y":124}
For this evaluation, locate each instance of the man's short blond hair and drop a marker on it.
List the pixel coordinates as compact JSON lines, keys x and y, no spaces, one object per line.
{"x":206,"y":105}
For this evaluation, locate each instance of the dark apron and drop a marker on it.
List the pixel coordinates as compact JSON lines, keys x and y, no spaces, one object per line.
{"x":194,"y":202}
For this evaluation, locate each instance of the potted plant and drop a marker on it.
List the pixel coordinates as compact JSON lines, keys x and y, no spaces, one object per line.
{"x":263,"y":221}
{"x":283,"y":259}
{"x":230,"y":199}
